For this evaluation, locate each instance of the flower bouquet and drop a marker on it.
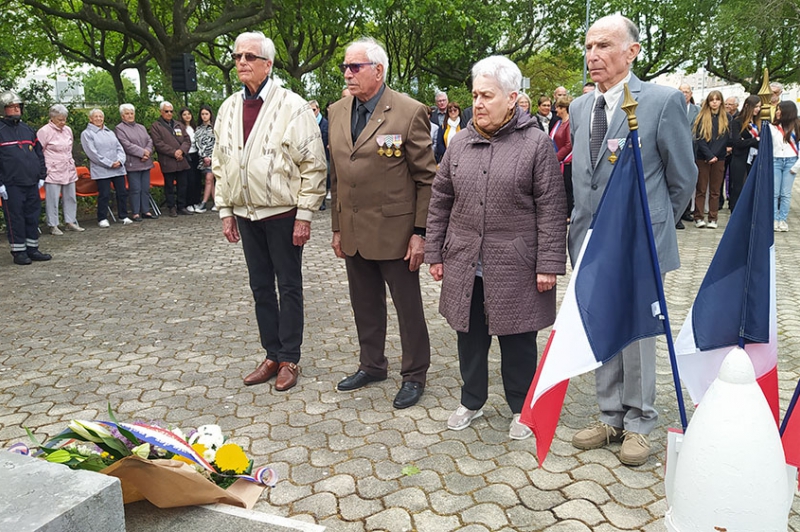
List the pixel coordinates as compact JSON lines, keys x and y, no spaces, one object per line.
{"x":161,"y":465}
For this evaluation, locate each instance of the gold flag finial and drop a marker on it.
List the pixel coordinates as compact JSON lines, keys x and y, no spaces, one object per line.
{"x":764,"y":93}
{"x":629,"y":106}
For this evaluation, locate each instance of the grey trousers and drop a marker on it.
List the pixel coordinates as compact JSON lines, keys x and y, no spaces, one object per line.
{"x":626,"y":388}
{"x":67,"y":193}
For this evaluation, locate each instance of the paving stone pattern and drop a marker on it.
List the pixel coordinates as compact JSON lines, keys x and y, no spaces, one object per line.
{"x":158,"y":319}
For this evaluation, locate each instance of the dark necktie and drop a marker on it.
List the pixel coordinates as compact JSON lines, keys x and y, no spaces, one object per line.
{"x":361,"y":121}
{"x":599,"y":128}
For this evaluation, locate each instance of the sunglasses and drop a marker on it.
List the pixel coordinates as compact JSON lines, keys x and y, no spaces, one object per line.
{"x":355,"y":68}
{"x":248,"y":57}
{"x":167,"y":111}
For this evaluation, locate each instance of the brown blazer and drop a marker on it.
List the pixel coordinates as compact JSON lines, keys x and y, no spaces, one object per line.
{"x":378,"y":200}
{"x":166,"y":141}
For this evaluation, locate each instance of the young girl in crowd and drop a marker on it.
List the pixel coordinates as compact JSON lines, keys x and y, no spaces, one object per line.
{"x":745,"y":132}
{"x":712,"y":134}
{"x":785,"y":134}
{"x":204,"y":140}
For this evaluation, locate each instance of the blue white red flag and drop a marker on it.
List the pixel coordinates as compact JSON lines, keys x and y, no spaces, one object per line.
{"x":611,"y":301}
{"x":735,"y":305}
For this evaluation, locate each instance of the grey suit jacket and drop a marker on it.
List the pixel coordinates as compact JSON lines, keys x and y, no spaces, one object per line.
{"x":669,"y":169}
{"x":691,"y":113}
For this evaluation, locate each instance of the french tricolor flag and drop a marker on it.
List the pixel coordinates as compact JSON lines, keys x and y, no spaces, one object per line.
{"x":614,"y":297}
{"x":735,"y":305}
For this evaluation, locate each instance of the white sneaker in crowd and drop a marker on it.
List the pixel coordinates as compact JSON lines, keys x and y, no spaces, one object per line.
{"x":104,"y":223}
{"x":54,"y":230}
{"x":200,"y":207}
{"x":699,"y":223}
{"x":712,"y":224}
{"x":783,"y":226}
{"x":75,"y":227}
{"x":127,"y":221}
{"x":462,"y":417}
{"x":518,"y":431}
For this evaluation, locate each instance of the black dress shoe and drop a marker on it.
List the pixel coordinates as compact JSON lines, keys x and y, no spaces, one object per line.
{"x":21,"y":258}
{"x":409,"y":394}
{"x":357,"y":380}
{"x":687,"y":217}
{"x":680,"y":225}
{"x":38,"y":256}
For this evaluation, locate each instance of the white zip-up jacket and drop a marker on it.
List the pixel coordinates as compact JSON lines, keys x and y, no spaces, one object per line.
{"x":281,"y":166}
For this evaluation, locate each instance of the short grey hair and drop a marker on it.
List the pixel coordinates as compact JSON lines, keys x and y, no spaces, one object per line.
{"x":620,"y":21}
{"x":776,"y":85}
{"x":164,"y":104}
{"x":440,"y":93}
{"x":95,"y":111}
{"x":58,"y":110}
{"x":264,"y":42}
{"x":374,"y":50}
{"x":734,"y":98}
{"x":126,"y":107}
{"x":502,"y":70}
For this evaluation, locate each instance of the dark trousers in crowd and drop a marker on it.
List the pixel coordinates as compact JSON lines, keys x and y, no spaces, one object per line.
{"x":22,"y":210}
{"x":104,"y":196}
{"x":139,"y":183}
{"x":194,"y":189}
{"x":518,"y":356}
{"x":171,"y":181}
{"x":270,"y":255}
{"x":567,"y":170}
{"x":368,"y":280}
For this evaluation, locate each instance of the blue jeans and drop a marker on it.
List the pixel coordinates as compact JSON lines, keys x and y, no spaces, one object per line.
{"x":139,"y":183}
{"x":783,"y":187}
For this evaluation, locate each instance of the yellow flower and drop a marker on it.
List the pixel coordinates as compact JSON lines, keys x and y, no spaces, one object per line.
{"x":231,"y":457}
{"x":199,"y":449}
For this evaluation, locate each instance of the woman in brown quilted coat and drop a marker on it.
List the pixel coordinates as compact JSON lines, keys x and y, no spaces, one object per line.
{"x":496,"y":238}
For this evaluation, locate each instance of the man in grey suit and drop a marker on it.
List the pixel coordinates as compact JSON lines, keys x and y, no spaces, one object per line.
{"x":626,"y":386}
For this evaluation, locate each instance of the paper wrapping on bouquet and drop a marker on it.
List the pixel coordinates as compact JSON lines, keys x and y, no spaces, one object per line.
{"x":170,"y":484}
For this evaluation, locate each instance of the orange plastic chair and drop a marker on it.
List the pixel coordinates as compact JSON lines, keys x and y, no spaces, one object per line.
{"x":156,"y":180}
{"x":87,"y":187}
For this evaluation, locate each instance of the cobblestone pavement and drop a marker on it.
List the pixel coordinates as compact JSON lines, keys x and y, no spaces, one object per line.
{"x":157,"y":318}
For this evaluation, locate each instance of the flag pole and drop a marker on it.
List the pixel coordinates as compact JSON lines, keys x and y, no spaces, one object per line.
{"x":629,"y":106}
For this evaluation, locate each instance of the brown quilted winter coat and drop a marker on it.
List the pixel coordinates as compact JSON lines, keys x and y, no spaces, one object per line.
{"x":501,"y":201}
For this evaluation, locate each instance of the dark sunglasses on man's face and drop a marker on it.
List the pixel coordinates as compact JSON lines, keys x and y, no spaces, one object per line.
{"x":248,"y":57}
{"x":354,"y":67}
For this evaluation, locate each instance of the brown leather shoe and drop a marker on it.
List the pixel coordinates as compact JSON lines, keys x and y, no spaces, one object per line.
{"x":264,"y":372}
{"x":287,"y":376}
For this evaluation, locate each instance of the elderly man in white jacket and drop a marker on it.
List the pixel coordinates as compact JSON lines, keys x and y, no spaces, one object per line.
{"x":269,"y":162}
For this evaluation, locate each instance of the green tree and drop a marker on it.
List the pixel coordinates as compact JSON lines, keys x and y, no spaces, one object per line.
{"x":751,"y":42}
{"x":100,"y":89}
{"x":165,"y":28}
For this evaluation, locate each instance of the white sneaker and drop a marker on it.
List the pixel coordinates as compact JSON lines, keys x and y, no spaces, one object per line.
{"x":127,"y":221}
{"x":190,"y":208}
{"x":776,"y":226}
{"x":462,"y":417}
{"x":783,"y":226}
{"x":104,"y":223}
{"x":518,"y":431}
{"x":200,"y":207}
{"x":54,"y":230}
{"x":712,"y":224}
{"x":75,"y":227}
{"x":699,"y":223}
{"x":214,"y":209}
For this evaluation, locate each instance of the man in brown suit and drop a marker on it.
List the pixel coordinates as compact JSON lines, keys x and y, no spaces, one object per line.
{"x":172,"y":144}
{"x":382,"y":167}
